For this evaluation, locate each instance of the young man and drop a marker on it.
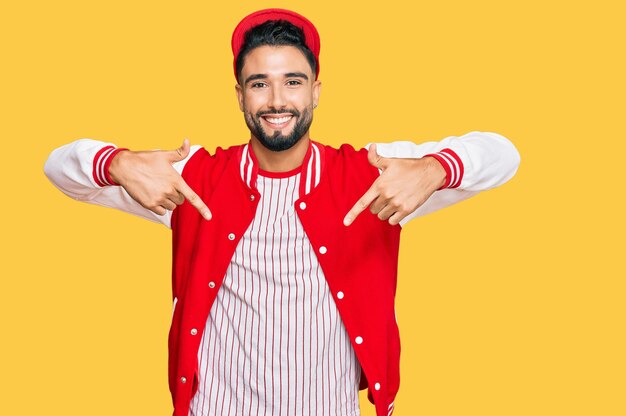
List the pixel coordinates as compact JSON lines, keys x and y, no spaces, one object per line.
{"x":283,"y":293}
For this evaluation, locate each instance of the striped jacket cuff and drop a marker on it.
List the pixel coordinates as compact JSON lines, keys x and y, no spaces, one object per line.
{"x":453,"y":166}
{"x":101,"y":162}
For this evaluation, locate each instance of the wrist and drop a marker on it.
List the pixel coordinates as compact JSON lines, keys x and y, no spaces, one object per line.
{"x":452,"y":165}
{"x":439,"y":173}
{"x":111,"y":166}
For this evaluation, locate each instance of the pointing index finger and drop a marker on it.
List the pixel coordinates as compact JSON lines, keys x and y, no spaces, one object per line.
{"x":367,"y":198}
{"x":194,"y":199}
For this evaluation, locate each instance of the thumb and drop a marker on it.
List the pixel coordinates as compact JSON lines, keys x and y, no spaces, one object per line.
{"x":374,"y":159}
{"x":179,"y":154}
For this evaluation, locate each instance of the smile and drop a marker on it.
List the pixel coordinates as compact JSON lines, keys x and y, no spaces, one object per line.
{"x":277,"y":122}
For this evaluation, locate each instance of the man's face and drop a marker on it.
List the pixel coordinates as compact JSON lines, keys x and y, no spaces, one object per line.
{"x":277,"y":94}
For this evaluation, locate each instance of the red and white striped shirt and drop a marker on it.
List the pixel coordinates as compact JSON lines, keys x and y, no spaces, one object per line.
{"x":274,"y":343}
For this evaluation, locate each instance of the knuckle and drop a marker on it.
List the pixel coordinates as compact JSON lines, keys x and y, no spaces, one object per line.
{"x":405,"y":208}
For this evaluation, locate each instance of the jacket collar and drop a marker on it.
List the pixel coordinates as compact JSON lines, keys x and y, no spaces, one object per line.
{"x":310,"y":173}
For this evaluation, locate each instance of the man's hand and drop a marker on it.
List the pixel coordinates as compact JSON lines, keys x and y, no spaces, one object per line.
{"x":150,"y":179}
{"x":403,"y":186}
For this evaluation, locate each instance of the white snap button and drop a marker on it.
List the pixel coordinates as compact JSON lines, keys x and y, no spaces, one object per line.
{"x":302,"y":205}
{"x":194,"y":331}
{"x":323,"y":250}
{"x":251,"y":197}
{"x":183,"y":380}
{"x":339,"y":295}
{"x":211,"y":285}
{"x":231,"y":236}
{"x":358,"y":340}
{"x":377,"y":386}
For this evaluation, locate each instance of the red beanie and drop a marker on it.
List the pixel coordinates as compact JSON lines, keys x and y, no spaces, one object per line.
{"x":311,"y":37}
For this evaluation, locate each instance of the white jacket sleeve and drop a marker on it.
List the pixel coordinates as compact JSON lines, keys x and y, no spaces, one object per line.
{"x":474,"y":162}
{"x":79,"y":170}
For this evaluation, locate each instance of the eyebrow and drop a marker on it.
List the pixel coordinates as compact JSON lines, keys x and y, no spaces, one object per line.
{"x":296,"y":75}
{"x":254,"y":77}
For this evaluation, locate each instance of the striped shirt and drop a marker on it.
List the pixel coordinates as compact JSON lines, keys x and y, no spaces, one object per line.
{"x":274,"y":343}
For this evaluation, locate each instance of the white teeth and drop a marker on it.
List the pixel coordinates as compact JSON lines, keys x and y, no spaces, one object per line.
{"x":277,"y":120}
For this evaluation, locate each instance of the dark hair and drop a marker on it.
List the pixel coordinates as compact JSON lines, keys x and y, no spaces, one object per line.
{"x":274,"y":33}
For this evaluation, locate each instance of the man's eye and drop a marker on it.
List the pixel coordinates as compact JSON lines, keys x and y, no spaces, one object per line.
{"x":293,"y":82}
{"x":258,"y":84}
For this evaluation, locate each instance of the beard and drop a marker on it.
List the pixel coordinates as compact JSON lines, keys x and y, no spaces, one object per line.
{"x":278,"y":142}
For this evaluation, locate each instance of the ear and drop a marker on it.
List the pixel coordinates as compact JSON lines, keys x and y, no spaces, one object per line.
{"x":317,"y":89}
{"x":239,"y":92}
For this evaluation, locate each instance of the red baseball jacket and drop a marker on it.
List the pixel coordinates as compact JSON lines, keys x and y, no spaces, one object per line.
{"x":359,"y":262}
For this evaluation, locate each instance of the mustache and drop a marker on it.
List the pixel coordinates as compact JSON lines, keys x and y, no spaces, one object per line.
{"x":293,"y":112}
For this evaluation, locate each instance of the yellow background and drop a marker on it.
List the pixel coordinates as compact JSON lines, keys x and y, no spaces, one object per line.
{"x":510,"y":303}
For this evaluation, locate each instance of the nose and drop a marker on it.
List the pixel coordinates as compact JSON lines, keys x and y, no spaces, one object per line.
{"x":277,"y":97}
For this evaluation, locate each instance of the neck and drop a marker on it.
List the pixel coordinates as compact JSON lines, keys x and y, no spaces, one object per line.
{"x":284,"y":161}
